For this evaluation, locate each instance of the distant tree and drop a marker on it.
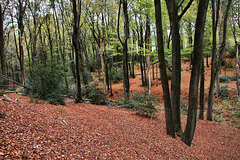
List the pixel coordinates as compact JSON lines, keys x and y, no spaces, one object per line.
{"x":216,"y":62}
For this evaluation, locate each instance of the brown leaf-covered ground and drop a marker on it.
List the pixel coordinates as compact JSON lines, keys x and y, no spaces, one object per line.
{"x":33,"y":130}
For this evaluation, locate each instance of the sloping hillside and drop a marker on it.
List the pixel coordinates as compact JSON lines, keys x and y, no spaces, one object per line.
{"x":84,"y":131}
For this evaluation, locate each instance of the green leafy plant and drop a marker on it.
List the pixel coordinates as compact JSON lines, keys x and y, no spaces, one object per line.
{"x":217,"y":114}
{"x":224,"y":79}
{"x":117,"y":75}
{"x":143,"y":104}
{"x":224,"y":91}
{"x":229,"y":64}
{"x":183,"y":106}
{"x":96,"y":95}
{"x":88,"y":76}
{"x":231,"y":52}
{"x":232,"y":78}
{"x":46,"y":81}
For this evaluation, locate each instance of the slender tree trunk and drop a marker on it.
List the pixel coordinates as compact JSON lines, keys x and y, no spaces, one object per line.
{"x":2,"y":49}
{"x":218,"y":64}
{"x":126,"y":85}
{"x":141,"y":54}
{"x":202,"y":93}
{"x":157,"y":74}
{"x":196,"y":70}
{"x":76,"y":20}
{"x":162,"y":66}
{"x":237,"y":71}
{"x":103,"y":62}
{"x":215,"y":16}
{"x":148,"y":55}
{"x":21,"y":30}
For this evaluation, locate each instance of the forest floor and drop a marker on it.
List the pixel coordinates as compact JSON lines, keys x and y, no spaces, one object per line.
{"x":38,"y":130}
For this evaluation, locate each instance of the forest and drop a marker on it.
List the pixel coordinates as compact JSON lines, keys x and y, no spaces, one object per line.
{"x":87,"y":79}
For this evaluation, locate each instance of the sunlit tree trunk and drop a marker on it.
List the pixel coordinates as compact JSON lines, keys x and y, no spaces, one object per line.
{"x":148,"y":55}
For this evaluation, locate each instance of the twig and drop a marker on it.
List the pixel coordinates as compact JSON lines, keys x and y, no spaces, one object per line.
{"x":8,"y":99}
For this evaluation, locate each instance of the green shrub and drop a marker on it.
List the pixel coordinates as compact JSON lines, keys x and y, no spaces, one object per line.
{"x":224,"y":79}
{"x":46,"y":81}
{"x":143,"y":104}
{"x":96,"y":95}
{"x":2,"y":92}
{"x":232,"y":78}
{"x":231,"y":52}
{"x":183,"y":106}
{"x":217,"y":114}
{"x":224,"y":91}
{"x":88,"y":76}
{"x":229,"y":64}
{"x":117,"y":75}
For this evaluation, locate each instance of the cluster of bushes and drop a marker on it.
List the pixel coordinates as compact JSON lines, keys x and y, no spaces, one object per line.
{"x":95,"y":94}
{"x":227,"y":78}
{"x":117,"y":75}
{"x":141,"y":103}
{"x":46,"y":80}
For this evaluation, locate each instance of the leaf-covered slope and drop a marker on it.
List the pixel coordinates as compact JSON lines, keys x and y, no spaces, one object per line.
{"x":86,"y":131}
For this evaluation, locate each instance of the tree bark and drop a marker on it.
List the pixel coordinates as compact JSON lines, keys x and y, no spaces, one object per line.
{"x":202,"y":93}
{"x":196,"y":70}
{"x":76,"y":21}
{"x":126,"y":85}
{"x":2,"y":49}
{"x":176,"y":64}
{"x":102,"y":61}
{"x":21,"y":13}
{"x":214,"y":71}
{"x":162,"y":67}
{"x":148,"y":55}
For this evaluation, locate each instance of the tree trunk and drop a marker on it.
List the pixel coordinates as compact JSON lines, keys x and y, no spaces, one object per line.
{"x":141,"y":54}
{"x":196,"y":70}
{"x":157,"y":74}
{"x":126,"y":85}
{"x":176,"y":65}
{"x":215,"y":16}
{"x":103,"y":62}
{"x":162,"y":67}
{"x":218,"y":65}
{"x":237,"y":71}
{"x":76,"y":21}
{"x":148,"y":55}
{"x":2,"y":49}
{"x":202,"y":93}
{"x":21,"y":30}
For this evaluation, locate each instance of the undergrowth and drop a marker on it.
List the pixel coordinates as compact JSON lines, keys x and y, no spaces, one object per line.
{"x":96,"y":95}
